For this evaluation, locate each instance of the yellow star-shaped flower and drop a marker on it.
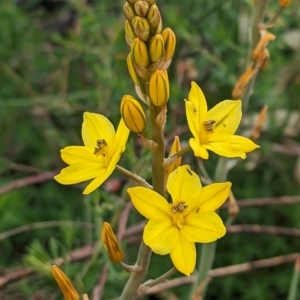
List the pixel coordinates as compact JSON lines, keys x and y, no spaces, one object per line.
{"x":99,"y":156}
{"x":174,"y":228}
{"x":214,"y":129}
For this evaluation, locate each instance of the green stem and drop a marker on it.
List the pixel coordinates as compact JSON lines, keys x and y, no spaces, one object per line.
{"x":134,"y":176}
{"x":160,"y":278}
{"x":208,"y":250}
{"x":294,"y":287}
{"x":158,"y":176}
{"x":257,"y":20}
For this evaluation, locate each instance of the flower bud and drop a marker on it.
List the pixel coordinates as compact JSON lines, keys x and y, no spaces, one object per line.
{"x":170,"y":43}
{"x":129,"y":12}
{"x":156,"y":48}
{"x":129,"y":33}
{"x":176,"y":163}
{"x":131,"y":1}
{"x":140,"y":54}
{"x":159,"y":90}
{"x":153,"y":17}
{"x":132,"y":71}
{"x":111,"y":244}
{"x":133,"y":114}
{"x":284,"y":3}
{"x":64,"y":284}
{"x":141,"y":8}
{"x":141,"y":28}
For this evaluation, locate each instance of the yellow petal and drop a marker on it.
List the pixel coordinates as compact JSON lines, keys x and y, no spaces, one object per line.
{"x":76,"y":154}
{"x":227,"y":115}
{"x":120,"y":138}
{"x":96,"y":127}
{"x":213,"y":196}
{"x":79,"y":172}
{"x":197,"y":97}
{"x":184,"y":256}
{"x":244,"y":143}
{"x":157,"y":232}
{"x":149,"y":203}
{"x":203,"y":227}
{"x":225,"y":149}
{"x":96,"y":182}
{"x":234,"y":146}
{"x":192,"y":117}
{"x":184,"y":185}
{"x":198,"y":149}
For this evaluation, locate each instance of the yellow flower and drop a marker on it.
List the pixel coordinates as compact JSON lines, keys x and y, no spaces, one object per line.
{"x":174,"y":228}
{"x":214,"y":129}
{"x":99,"y":156}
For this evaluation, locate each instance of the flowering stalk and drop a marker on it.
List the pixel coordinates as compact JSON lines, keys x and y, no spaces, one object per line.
{"x":208,"y":250}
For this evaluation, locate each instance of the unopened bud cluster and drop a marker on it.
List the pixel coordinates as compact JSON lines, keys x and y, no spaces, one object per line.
{"x":152,"y":48}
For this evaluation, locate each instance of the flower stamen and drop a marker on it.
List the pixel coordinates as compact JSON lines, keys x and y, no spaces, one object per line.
{"x":99,"y":149}
{"x":209,"y":124}
{"x":178,"y":207}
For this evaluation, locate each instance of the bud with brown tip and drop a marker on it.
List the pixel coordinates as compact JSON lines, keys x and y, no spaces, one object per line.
{"x":141,"y":28}
{"x":111,"y":244}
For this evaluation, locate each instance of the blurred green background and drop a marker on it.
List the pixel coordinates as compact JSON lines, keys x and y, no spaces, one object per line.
{"x":61,"y":58}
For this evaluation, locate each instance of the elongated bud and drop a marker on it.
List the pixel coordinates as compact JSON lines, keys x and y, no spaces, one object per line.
{"x":176,"y":163}
{"x":131,"y":1}
{"x":284,"y":3}
{"x":159,"y":90}
{"x":140,"y":54}
{"x":170,"y":43}
{"x":133,"y":114}
{"x":129,"y":12}
{"x":141,"y":28}
{"x":154,"y":18}
{"x":132,"y":71}
{"x":129,"y":33}
{"x":64,"y":284}
{"x":111,"y":244}
{"x":141,"y":8}
{"x":156,"y":48}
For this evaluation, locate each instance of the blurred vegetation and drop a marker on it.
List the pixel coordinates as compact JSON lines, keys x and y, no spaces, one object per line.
{"x":61,"y":58}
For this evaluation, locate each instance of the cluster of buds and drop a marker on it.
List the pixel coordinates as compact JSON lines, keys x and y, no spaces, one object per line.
{"x":152,"y":50}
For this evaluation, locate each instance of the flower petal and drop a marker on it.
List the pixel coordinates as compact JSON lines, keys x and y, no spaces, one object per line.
{"x":227,"y":115}
{"x":149,"y":203}
{"x":79,"y":172}
{"x":76,"y":154}
{"x":97,"y":182}
{"x":192,"y":119}
{"x":197,"y":97}
{"x":225,"y":149}
{"x":96,"y":127}
{"x":198,"y":149}
{"x":233,"y":146}
{"x":183,"y":256}
{"x":184,"y":185}
{"x":203,"y":227}
{"x":161,"y":236}
{"x":244,"y":143}
{"x":213,"y":196}
{"x":120,"y":138}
